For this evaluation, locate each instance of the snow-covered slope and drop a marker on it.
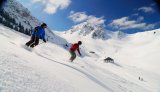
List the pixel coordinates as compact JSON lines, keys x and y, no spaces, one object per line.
{"x":121,"y":45}
{"x":45,"y":68}
{"x":139,"y":51}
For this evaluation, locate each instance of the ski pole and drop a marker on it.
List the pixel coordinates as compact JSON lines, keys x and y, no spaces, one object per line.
{"x":48,"y":37}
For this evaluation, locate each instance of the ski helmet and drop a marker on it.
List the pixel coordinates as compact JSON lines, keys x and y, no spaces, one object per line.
{"x":79,"y":42}
{"x":44,"y":25}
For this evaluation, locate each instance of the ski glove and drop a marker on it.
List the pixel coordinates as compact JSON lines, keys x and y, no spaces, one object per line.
{"x":80,"y":54}
{"x":44,"y":40}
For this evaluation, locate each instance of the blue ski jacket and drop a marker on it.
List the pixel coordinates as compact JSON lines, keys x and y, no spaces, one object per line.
{"x":39,"y":32}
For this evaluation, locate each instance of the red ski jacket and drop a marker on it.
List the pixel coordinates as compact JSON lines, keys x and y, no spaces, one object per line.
{"x":75,"y":47}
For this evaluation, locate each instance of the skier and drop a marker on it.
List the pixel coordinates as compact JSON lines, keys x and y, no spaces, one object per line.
{"x":72,"y":50}
{"x":37,"y":33}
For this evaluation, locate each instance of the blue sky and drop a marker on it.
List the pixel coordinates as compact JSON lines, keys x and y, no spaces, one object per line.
{"x":126,"y":15}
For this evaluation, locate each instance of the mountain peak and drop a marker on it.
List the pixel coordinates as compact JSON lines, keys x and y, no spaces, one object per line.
{"x":90,"y":29}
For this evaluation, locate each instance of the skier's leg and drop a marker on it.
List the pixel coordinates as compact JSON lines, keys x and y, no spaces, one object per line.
{"x":72,"y":55}
{"x":30,"y":42}
{"x":36,"y":41}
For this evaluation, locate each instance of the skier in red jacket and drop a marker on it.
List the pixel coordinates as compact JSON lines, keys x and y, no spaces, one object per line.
{"x":72,"y":50}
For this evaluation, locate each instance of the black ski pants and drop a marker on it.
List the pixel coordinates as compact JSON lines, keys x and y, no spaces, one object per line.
{"x":33,"y":42}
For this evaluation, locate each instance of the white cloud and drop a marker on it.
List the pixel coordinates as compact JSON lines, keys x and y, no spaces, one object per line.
{"x":140,"y":18}
{"x":78,"y":17}
{"x":95,"y":20}
{"x":124,"y":23}
{"x":51,"y":6}
{"x":146,"y":9}
{"x":149,"y":26}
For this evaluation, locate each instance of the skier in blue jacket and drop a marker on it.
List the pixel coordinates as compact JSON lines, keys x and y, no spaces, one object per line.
{"x":38,"y":33}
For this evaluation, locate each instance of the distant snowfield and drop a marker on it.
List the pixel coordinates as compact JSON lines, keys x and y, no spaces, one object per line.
{"x":45,"y":68}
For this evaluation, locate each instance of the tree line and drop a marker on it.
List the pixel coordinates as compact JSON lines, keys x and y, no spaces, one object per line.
{"x":10,"y":22}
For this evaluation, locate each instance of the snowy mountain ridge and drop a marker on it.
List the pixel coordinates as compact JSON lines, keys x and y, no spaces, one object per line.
{"x":94,"y":31}
{"x":21,"y":14}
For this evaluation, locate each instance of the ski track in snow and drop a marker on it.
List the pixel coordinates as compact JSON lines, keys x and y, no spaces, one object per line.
{"x":121,"y":82}
{"x":83,"y":72}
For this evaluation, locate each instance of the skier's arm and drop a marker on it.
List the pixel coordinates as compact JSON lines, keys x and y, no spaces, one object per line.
{"x":43,"y":37}
{"x":78,"y":51}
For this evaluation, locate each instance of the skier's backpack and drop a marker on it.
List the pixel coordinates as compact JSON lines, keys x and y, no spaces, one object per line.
{"x":35,"y":30}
